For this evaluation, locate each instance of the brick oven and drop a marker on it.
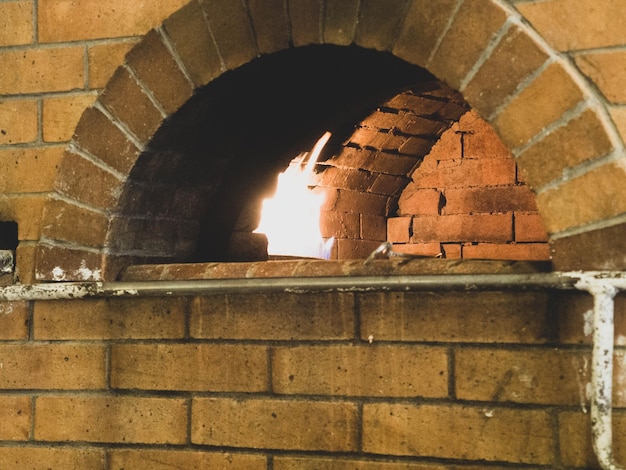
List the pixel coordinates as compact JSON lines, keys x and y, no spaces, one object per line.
{"x":144,"y":326}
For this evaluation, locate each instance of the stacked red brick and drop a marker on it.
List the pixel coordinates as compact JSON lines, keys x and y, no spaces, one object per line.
{"x":466,"y":200}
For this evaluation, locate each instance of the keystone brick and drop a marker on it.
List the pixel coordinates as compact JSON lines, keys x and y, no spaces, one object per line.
{"x":474,"y":26}
{"x":340,"y":21}
{"x":13,"y":320}
{"x":274,"y":316}
{"x":15,"y":413}
{"x":120,"y":459}
{"x":305,"y":17}
{"x":488,"y":317}
{"x":192,"y":40}
{"x":52,"y":366}
{"x":61,"y":115}
{"x":378,"y":23}
{"x":201,"y":367}
{"x":511,"y":435}
{"x":42,"y":70}
{"x":275,"y":424}
{"x":16,"y":23}
{"x":29,"y":170}
{"x":18,"y":119}
{"x":61,"y":22}
{"x":546,"y":98}
{"x":271,"y":24}
{"x":232,"y":31}
{"x":19,"y":458}
{"x":398,"y":371}
{"x":452,"y":228}
{"x":581,"y":139}
{"x":537,"y":376}
{"x":128,"y":420}
{"x":104,"y":59}
{"x":157,"y":69}
{"x":145,"y":318}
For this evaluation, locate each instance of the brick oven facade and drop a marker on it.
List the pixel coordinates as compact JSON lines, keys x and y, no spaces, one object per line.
{"x":496,"y":132}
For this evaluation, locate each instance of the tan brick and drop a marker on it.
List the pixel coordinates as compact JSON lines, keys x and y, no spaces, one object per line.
{"x":97,"y":134}
{"x":529,"y":228}
{"x":157,"y":69}
{"x":104,"y":59}
{"x":200,"y":367}
{"x":60,"y":21}
{"x":80,"y":179}
{"x":415,"y":201}
{"x":25,"y":262}
{"x":52,"y":366}
{"x":61,"y":114}
{"x":546,"y":98}
{"x":19,"y":458}
{"x":276,"y":424}
{"x":581,"y":139}
{"x":274,"y":316}
{"x":488,"y":317}
{"x":194,"y":44}
{"x":14,"y":320}
{"x":559,"y":23}
{"x":399,"y":229}
{"x":16,"y":23}
{"x":378,"y":23}
{"x":372,"y":370}
{"x":312,"y":463}
{"x":18,"y":119}
{"x":42,"y":70}
{"x":603,"y":68}
{"x":513,"y":251}
{"x":452,"y":228}
{"x":515,"y":57}
{"x":305,"y":17}
{"x":92,"y":319}
{"x":575,"y":439}
{"x":618,"y":114}
{"x":29,"y":170}
{"x":130,"y":104}
{"x":596,"y":195}
{"x":68,"y":222}
{"x":480,"y":433}
{"x":340,"y":20}
{"x":120,"y":459}
{"x":271,"y":24}
{"x":424,"y":24}
{"x":474,"y":26}
{"x":15,"y":412}
{"x":131,"y":420}
{"x":26,"y":211}
{"x":539,"y":376}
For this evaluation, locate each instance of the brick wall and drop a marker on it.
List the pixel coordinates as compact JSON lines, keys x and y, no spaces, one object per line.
{"x":296,"y":381}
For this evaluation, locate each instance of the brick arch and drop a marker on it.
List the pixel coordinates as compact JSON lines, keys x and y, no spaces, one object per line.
{"x":544,"y":112}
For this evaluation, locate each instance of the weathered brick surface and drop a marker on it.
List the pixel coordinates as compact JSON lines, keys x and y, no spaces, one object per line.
{"x":19,"y":458}
{"x":79,"y":264}
{"x":61,"y":114}
{"x":139,"y":420}
{"x":52,"y":366}
{"x":419,"y":201}
{"x":273,"y":316}
{"x":277,"y":424}
{"x":192,"y":39}
{"x":145,"y":318}
{"x":89,"y":228}
{"x":373,"y":227}
{"x":480,"y":433}
{"x":456,"y":317}
{"x":271,"y":24}
{"x":546,"y":98}
{"x":483,"y":172}
{"x":60,"y":22}
{"x":14,"y":320}
{"x":399,"y":229}
{"x":378,"y":23}
{"x":371,"y":370}
{"x":230,"y":368}
{"x":16,"y":415}
{"x":42,"y":70}
{"x":474,"y":26}
{"x":18,"y":120}
{"x":489,"y":199}
{"x":604,"y":70}
{"x":340,"y":20}
{"x":450,"y":228}
{"x":196,"y":460}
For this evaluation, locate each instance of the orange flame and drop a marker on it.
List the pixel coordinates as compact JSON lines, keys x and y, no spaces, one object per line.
{"x":291,"y":218}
